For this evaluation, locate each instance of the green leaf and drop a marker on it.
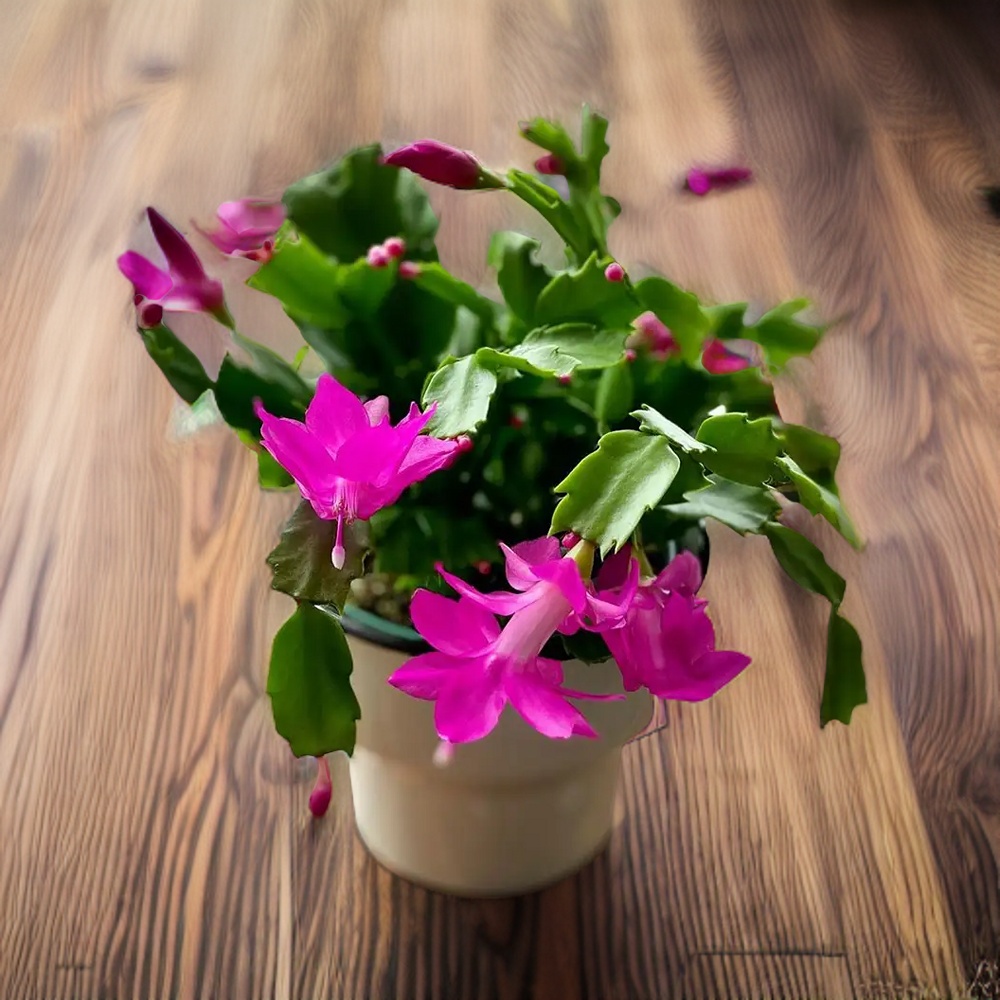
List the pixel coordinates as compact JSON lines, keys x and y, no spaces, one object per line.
{"x":270,"y":475}
{"x":610,"y":490}
{"x":781,"y":335}
{"x":820,"y":499}
{"x":726,"y":320}
{"x":364,"y":288}
{"x":301,"y":565}
{"x":844,"y":686}
{"x":547,"y":202}
{"x":593,"y":142}
{"x":816,"y":454}
{"x":520,"y":277}
{"x":680,"y":310}
{"x":744,"y":450}
{"x":358,"y":202}
{"x":615,"y":393}
{"x":177,"y":361}
{"x":587,"y":347}
{"x":742,"y":508}
{"x":804,"y":563}
{"x":587,"y":296}
{"x":463,"y":390}
{"x":550,"y":136}
{"x":433,"y":278}
{"x":277,"y":385}
{"x":656,"y":423}
{"x":304,"y":281}
{"x":309,"y":682}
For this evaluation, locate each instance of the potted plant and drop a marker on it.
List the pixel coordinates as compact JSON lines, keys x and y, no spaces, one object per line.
{"x":498,"y":547}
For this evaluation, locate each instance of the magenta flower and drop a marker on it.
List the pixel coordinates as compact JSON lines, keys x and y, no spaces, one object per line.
{"x":319,"y":798}
{"x":700,"y":182}
{"x":718,"y":359}
{"x":614,"y":272}
{"x":652,"y":333}
{"x":247,"y":227}
{"x":477,"y":668}
{"x":667,"y":643}
{"x":183,"y":287}
{"x":347,"y":459}
{"x":435,"y":161}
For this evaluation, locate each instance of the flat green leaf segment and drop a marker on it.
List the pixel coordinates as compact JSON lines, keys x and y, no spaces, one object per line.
{"x":844,"y":684}
{"x":656,"y":423}
{"x":520,"y":277}
{"x":742,"y":508}
{"x":309,"y":682}
{"x":358,"y":202}
{"x":741,"y":449}
{"x":782,"y":335}
{"x":844,"y":688}
{"x":177,"y":361}
{"x":301,"y":565}
{"x":610,"y":490}
{"x":820,"y":498}
{"x":559,"y":350}
{"x":587,"y":296}
{"x":462,"y":390}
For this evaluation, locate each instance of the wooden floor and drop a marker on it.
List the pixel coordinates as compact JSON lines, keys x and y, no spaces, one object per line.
{"x":154,"y":840}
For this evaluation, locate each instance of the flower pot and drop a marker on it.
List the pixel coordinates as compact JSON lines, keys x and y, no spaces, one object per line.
{"x":507,"y":815}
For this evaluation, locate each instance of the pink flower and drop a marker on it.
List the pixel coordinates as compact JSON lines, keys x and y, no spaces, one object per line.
{"x":319,"y":798}
{"x":700,"y":182}
{"x":651,"y":332}
{"x":435,"y":161}
{"x":247,"y":227}
{"x":667,"y":643}
{"x":614,"y":272}
{"x":719,"y":360}
{"x":183,"y":287}
{"x":347,"y":458}
{"x":477,"y":668}
{"x":550,"y":164}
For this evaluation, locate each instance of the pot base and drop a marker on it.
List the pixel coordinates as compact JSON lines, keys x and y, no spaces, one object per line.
{"x":467,"y":840}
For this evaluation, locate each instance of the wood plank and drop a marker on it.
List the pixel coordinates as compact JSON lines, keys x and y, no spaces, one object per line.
{"x":155,"y":841}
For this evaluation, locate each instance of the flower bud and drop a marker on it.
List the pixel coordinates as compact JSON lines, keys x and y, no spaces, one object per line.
{"x":614,"y":272}
{"x":443,"y":164}
{"x":550,"y":164}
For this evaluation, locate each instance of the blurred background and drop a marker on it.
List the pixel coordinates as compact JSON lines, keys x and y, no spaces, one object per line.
{"x":153,"y":840}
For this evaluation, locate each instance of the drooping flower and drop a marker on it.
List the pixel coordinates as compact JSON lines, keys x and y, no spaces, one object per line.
{"x":718,"y":359}
{"x":477,"y":667}
{"x":246,"y":227}
{"x":654,"y":335}
{"x":319,"y":798}
{"x":182,"y":287}
{"x":700,"y":182}
{"x":347,"y":459}
{"x":443,"y":164}
{"x":667,"y":643}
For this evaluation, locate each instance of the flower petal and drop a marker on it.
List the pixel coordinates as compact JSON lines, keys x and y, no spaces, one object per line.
{"x":426,"y":455}
{"x":719,"y":360}
{"x":148,"y":280}
{"x":377,"y":409}
{"x":524,"y":556}
{"x":545,"y":707}
{"x":614,"y":570}
{"x":470,"y":704}
{"x":500,"y":602}
{"x":460,"y":628}
{"x":181,"y":258}
{"x":252,"y":217}
{"x":302,"y":456}
{"x":683,"y":574}
{"x":708,"y":674}
{"x":425,"y":676}
{"x":335,"y":413}
{"x":565,"y":574}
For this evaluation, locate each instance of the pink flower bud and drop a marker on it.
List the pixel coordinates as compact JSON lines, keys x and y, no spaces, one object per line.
{"x":700,"y":182}
{"x":484,"y":567}
{"x":564,"y":379}
{"x":150,"y":314}
{"x":395,"y":247}
{"x":614,"y":272}
{"x":719,"y":360}
{"x":629,"y":354}
{"x":570,"y":539}
{"x":377,"y":256}
{"x":319,"y":799}
{"x":550,"y":164}
{"x":408,"y":269}
{"x":464,"y":442}
{"x":516,"y":421}
{"x":435,"y":161}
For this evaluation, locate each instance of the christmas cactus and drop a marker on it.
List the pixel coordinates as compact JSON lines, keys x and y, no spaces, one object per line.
{"x":517,"y":468}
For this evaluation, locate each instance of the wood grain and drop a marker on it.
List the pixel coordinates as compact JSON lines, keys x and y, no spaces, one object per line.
{"x":154,"y":840}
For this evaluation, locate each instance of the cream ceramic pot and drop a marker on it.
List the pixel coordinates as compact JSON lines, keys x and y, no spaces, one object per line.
{"x":507,"y":815}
